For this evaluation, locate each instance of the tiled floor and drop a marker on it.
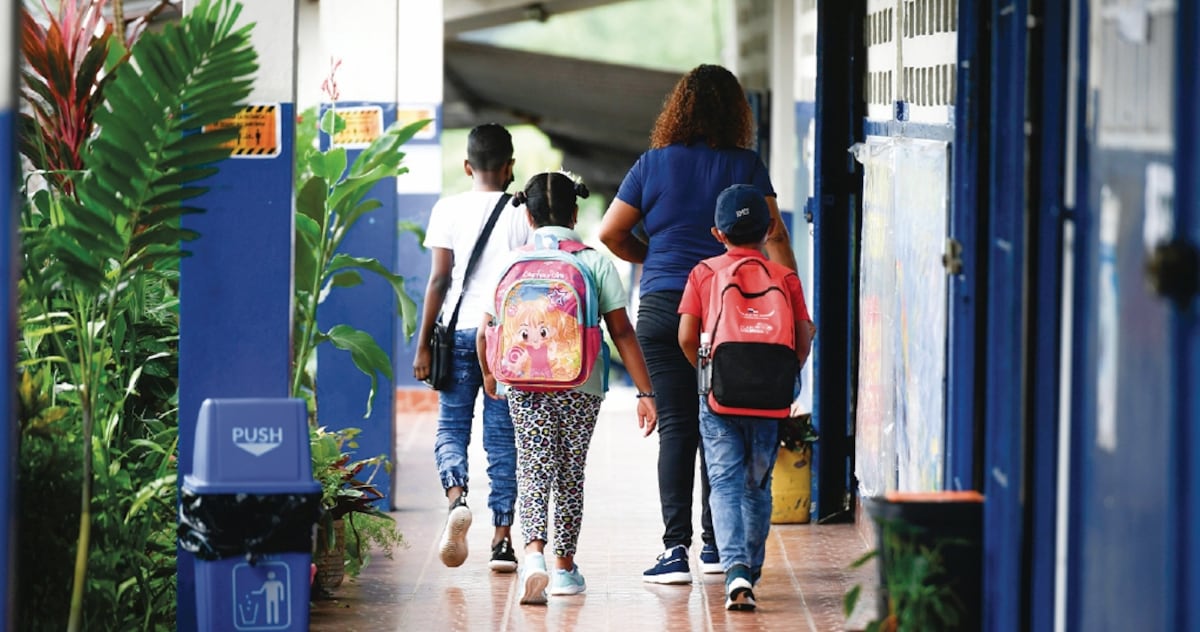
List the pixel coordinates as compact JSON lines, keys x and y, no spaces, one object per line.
{"x":805,"y":577}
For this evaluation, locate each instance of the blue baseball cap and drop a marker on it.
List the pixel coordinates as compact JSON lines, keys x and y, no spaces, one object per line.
{"x":742,"y":213}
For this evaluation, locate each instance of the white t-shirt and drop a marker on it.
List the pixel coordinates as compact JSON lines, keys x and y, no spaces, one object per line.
{"x":454,"y":224}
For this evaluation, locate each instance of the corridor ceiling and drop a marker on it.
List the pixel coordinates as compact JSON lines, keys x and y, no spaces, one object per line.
{"x":599,"y":115}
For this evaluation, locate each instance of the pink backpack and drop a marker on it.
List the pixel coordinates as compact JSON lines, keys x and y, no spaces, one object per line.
{"x":748,"y":364}
{"x":546,"y":332}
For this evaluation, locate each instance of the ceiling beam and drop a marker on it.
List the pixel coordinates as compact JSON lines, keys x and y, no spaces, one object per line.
{"x":470,"y":15}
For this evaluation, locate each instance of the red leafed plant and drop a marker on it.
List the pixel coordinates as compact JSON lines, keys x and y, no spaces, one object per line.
{"x":63,"y":82}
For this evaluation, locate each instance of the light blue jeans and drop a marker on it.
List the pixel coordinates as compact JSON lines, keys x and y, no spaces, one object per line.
{"x":740,"y":453}
{"x":456,"y":413}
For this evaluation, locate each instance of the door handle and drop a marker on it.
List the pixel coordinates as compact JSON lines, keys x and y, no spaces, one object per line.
{"x":952,"y":259}
{"x":1173,"y":270}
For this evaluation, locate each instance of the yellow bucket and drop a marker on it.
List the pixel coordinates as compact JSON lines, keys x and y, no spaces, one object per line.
{"x":791,"y":486}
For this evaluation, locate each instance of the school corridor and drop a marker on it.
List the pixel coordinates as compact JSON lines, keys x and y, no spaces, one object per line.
{"x":805,"y":577}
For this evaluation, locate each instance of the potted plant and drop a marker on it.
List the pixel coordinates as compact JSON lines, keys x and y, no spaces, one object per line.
{"x":351,"y":524}
{"x":791,"y":486}
{"x":929,"y":554}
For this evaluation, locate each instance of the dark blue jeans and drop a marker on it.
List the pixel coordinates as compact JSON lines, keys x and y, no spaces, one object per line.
{"x":674,"y":380}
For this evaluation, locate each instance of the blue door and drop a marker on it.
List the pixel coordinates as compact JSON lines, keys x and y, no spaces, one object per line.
{"x":1121,"y":551}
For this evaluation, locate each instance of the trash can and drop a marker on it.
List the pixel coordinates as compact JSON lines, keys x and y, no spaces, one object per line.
{"x":791,"y":486}
{"x":247,"y":513}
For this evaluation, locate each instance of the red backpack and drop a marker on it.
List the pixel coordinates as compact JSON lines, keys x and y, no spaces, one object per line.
{"x":748,"y":363}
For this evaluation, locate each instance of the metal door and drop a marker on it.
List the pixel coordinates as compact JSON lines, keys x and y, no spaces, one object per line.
{"x":1121,"y":550}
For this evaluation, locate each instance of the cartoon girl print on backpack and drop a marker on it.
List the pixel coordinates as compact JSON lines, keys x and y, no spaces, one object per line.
{"x":543,"y":343}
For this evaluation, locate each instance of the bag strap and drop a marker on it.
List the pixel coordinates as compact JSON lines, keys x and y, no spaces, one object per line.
{"x":480,"y":244}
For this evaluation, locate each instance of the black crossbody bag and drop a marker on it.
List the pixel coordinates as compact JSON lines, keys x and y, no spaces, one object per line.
{"x":441,"y":340}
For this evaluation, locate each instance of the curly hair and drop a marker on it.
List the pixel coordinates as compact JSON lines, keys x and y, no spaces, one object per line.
{"x":709,"y":103}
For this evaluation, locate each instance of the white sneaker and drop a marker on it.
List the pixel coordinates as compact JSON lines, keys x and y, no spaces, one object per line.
{"x":534,"y":580}
{"x":454,"y":538}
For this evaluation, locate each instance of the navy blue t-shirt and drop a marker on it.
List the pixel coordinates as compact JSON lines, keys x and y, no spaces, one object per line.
{"x":676,"y":188}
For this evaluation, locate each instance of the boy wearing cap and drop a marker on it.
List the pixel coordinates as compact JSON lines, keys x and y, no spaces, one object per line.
{"x":739,"y":451}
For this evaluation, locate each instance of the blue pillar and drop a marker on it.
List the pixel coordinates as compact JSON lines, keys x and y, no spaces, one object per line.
{"x":391,"y":63}
{"x":236,"y":288}
{"x":837,"y":184}
{"x":8,"y":293}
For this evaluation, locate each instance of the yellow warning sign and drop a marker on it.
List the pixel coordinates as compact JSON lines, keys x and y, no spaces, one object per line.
{"x":412,"y":114}
{"x":363,"y":125}
{"x":259,"y":135}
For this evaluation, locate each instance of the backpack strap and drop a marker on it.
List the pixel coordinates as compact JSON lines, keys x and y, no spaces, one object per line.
{"x":572,"y":246}
{"x":549,"y":242}
{"x":480,"y":243}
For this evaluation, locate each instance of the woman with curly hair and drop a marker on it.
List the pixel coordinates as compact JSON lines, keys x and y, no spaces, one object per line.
{"x":701,"y":144}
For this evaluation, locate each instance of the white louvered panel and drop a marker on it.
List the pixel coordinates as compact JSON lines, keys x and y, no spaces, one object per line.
{"x":880,"y":37}
{"x":929,"y":54}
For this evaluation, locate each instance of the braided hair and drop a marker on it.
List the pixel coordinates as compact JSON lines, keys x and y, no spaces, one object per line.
{"x":550,"y":198}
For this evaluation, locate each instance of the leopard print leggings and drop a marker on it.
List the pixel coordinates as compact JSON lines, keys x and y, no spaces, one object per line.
{"x":553,"y":433}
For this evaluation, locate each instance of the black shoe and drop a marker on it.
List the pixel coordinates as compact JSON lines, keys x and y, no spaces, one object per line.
{"x":504,"y":560}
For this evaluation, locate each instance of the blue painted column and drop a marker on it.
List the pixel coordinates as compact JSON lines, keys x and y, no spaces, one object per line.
{"x":236,"y":288}
{"x":9,"y":266}
{"x":1005,"y":394}
{"x":1049,"y":53}
{"x":390,"y":63}
{"x":1185,"y":328}
{"x":839,"y":110}
{"x":963,"y":361}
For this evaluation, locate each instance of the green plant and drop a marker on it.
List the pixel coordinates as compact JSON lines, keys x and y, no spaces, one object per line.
{"x":795,"y":433}
{"x":331,"y":198}
{"x":101,"y":240}
{"x":918,"y":590}
{"x":348,"y":493}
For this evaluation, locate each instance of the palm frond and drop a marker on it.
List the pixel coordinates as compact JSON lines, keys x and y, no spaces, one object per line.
{"x":151,"y":144}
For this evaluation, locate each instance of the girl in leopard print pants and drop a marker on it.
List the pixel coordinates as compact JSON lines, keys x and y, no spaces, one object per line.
{"x":554,"y":429}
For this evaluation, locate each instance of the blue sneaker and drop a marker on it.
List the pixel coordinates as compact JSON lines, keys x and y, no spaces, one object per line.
{"x":564,"y":582}
{"x":739,"y":592}
{"x":710,"y":560}
{"x":671,"y":568}
{"x":534,"y":579}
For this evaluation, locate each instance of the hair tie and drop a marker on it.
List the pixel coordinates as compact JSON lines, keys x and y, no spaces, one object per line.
{"x":581,"y":190}
{"x":519,"y":198}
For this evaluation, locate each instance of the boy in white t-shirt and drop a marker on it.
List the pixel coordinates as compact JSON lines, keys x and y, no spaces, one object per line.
{"x":454,"y":225}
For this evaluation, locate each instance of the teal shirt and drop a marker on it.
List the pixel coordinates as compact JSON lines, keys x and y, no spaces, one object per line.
{"x":608,"y":287}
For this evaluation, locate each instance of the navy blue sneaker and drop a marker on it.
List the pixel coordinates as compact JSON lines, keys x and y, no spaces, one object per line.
{"x":710,"y":560}
{"x":671,"y":568}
